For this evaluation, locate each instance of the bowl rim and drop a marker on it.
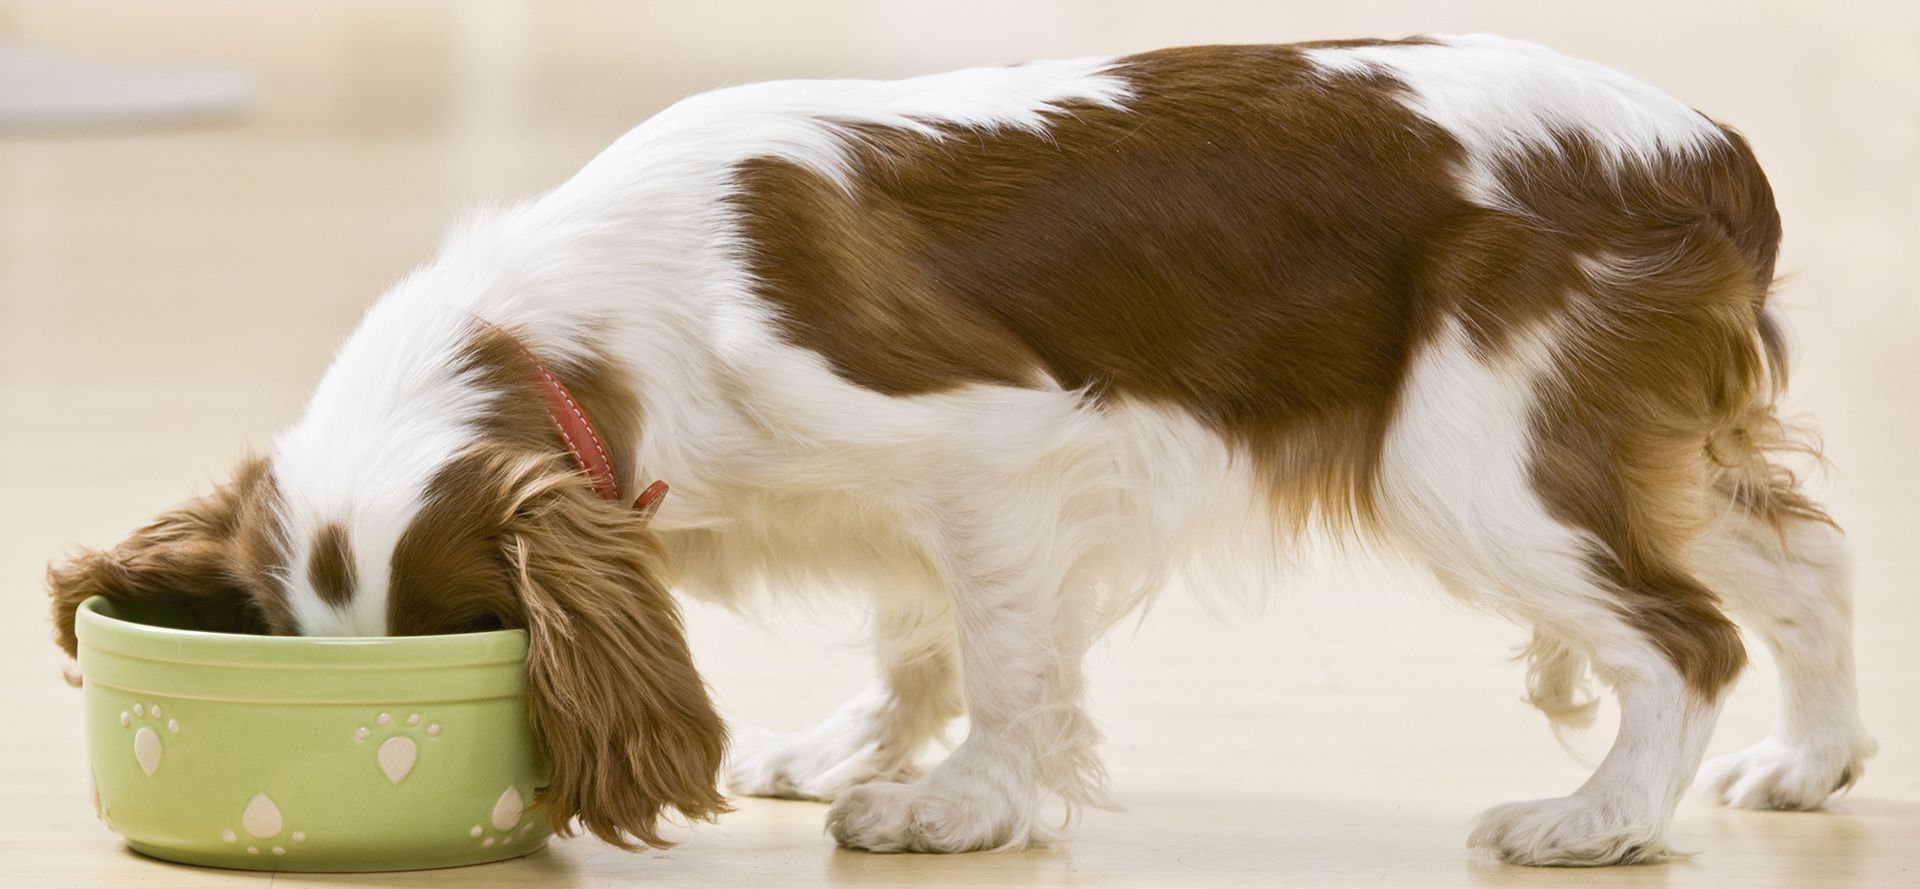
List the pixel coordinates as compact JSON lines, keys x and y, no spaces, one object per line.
{"x":99,"y":628}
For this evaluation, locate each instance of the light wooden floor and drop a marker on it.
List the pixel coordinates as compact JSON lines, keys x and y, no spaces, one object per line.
{"x":167,"y":299}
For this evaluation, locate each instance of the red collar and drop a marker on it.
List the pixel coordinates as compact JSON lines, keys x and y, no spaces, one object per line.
{"x":582,"y":440}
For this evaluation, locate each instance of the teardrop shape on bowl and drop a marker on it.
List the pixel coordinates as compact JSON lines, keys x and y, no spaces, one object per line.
{"x":506,"y":812}
{"x":396,"y":756}
{"x":262,"y":817}
{"x":146,"y":750}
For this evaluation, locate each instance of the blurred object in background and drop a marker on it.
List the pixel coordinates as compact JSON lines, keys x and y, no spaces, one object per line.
{"x":49,"y":92}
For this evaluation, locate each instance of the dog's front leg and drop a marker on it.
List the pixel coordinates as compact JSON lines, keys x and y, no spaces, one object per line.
{"x":1020,"y":614}
{"x":876,"y":735}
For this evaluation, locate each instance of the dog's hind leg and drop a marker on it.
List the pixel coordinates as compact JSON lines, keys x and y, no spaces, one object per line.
{"x":1784,"y":574}
{"x":1462,"y":486}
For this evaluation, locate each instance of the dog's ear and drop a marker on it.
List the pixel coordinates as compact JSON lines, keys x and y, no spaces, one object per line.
{"x":622,"y":717}
{"x":194,"y":557}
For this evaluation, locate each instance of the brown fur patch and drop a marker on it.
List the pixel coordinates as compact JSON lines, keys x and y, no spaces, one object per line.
{"x":517,"y":539}
{"x":1661,"y":362}
{"x":1265,"y":245}
{"x":1240,"y":242}
{"x":448,"y":573}
{"x":512,"y":534}
{"x":330,"y":566}
{"x":621,"y":713}
{"x":214,"y":557}
{"x":599,"y":384}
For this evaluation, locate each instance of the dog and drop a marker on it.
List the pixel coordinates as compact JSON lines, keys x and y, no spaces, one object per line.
{"x":1005,"y":350}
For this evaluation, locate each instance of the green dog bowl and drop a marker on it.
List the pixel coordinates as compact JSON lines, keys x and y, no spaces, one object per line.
{"x":305,"y":753}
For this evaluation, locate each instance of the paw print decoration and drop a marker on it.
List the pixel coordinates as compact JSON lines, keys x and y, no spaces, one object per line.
{"x":263,"y":826}
{"x":507,"y":820}
{"x":260,"y":813}
{"x":148,"y":721}
{"x":397,"y":754}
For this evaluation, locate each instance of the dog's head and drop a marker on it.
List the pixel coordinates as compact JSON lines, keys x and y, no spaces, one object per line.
{"x":464,"y":514}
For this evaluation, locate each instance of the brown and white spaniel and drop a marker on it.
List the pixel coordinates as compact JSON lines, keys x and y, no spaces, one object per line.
{"x":1007,"y":349}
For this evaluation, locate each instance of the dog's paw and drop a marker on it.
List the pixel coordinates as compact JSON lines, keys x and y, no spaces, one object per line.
{"x":1776,"y":775}
{"x":1570,"y":831}
{"x":819,"y":764}
{"x":922,"y":817}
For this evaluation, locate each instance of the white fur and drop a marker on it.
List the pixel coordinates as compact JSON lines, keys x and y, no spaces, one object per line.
{"x":387,"y":415}
{"x":997,"y":529}
{"x":878,"y":735}
{"x":1501,"y":97}
{"x":1794,"y":594}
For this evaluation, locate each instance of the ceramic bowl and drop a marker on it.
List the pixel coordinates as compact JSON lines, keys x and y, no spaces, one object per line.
{"x":307,"y":754}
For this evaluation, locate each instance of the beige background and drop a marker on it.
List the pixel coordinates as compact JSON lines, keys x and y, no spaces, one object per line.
{"x":167,"y":298}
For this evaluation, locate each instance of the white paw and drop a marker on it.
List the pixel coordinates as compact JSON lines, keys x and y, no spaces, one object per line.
{"x":926,"y":816}
{"x":1775,"y":775}
{"x":1570,"y":831}
{"x":820,"y":764}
